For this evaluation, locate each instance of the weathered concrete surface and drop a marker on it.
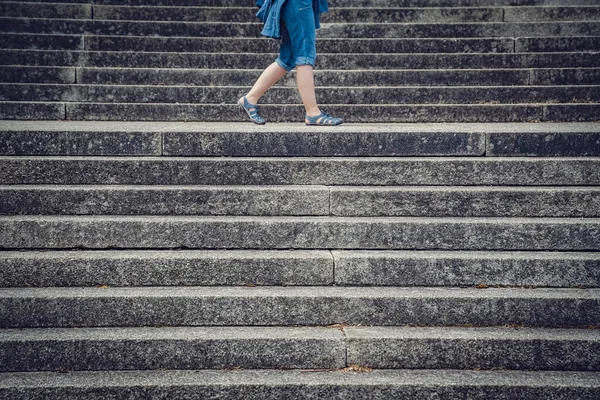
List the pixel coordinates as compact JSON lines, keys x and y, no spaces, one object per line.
{"x":167,"y":268}
{"x":171,"y":348}
{"x":32,"y":110}
{"x":324,"y":45}
{"x":275,"y":385}
{"x":159,"y":232}
{"x":426,"y":268}
{"x":132,"y":59}
{"x":570,"y":144}
{"x":164,"y":200}
{"x":470,"y":348}
{"x":420,"y":201}
{"x":488,"y":171}
{"x":284,"y":306}
{"x":41,"y":41}
{"x":297,"y":140}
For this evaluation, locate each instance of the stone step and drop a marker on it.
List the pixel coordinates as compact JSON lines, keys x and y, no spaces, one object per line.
{"x":469,"y":348}
{"x":45,"y":10}
{"x":324,"y":45}
{"x":250,"y":232}
{"x":41,"y":41}
{"x":225,"y":139}
{"x":277,"y":384}
{"x":452,"y":201}
{"x":288,"y":268}
{"x":356,"y":113}
{"x":130,"y":59}
{"x":173,"y":348}
{"x":330,"y":30}
{"x":92,"y":93}
{"x":166,"y":200}
{"x":294,"y":305}
{"x":169,"y":268}
{"x":554,"y":13}
{"x":35,"y":41}
{"x":335,"y":3}
{"x":337,"y":15}
{"x":95,"y":349}
{"x":226,"y":77}
{"x":438,"y":268}
{"x":301,"y":200}
{"x":22,"y":74}
{"x":480,"y":171}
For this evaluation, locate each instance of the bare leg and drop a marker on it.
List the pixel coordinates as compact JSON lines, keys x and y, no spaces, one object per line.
{"x":268,"y":78}
{"x":306,"y":86}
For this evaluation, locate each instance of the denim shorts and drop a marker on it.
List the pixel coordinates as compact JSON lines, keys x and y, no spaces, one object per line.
{"x":299,"y":36}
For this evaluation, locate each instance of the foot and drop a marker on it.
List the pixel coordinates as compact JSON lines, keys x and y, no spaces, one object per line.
{"x":322,"y":119}
{"x":251,"y":110}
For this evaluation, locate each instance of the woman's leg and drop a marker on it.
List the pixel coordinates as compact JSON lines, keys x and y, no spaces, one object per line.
{"x":306,"y":86}
{"x":268,"y":78}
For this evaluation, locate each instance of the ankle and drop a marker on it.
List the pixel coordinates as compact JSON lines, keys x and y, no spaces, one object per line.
{"x":251,"y":99}
{"x":313,"y":112}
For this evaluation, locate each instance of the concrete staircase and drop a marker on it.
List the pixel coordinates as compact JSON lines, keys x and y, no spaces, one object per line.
{"x":216,"y":260}
{"x":380,"y":61}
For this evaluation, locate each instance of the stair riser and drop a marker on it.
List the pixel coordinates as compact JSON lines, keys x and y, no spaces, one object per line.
{"x":324,"y":61}
{"x":353,"y":202}
{"x":289,"y":95}
{"x":350,"y":46}
{"x":231,"y":268}
{"x":49,"y":355}
{"x":215,"y":201}
{"x":300,"y":233}
{"x":276,"y":385}
{"x":349,"y":113}
{"x":22,"y":9}
{"x":22,"y":312}
{"x":302,"y":142}
{"x":399,"y":202}
{"x":447,"y":269}
{"x":464,"y":352}
{"x":334,"y":172}
{"x":212,"y":268}
{"x":353,"y":30}
{"x":322,"y":78}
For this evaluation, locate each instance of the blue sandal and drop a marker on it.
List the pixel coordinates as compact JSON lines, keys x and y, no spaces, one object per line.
{"x":323,"y":119}
{"x":252,"y":111}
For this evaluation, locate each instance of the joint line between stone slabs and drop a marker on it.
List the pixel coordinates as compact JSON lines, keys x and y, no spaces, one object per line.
{"x":333,"y":267}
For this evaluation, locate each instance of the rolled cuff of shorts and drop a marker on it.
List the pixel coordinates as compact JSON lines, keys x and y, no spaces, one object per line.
{"x":305,"y":61}
{"x":283,"y":65}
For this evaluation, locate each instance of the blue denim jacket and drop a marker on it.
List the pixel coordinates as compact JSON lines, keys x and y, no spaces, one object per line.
{"x":270,"y":13}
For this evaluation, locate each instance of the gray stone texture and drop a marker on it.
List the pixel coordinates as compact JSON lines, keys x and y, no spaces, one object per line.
{"x":355,"y":113}
{"x":22,"y":74}
{"x":308,"y":141}
{"x":488,"y":171}
{"x":325,"y":61}
{"x":558,"y":44}
{"x":466,"y":201}
{"x":324,"y":45}
{"x":452,"y":95}
{"x":471,"y":348}
{"x":574,"y":112}
{"x":544,"y":144}
{"x":171,"y":348}
{"x":552,"y":14}
{"x":206,"y":77}
{"x":191,"y":232}
{"x":275,"y":385}
{"x":41,"y":41}
{"x":438,"y":268}
{"x":21,"y":9}
{"x":292,"y":305}
{"x":164,"y":200}
{"x":168,"y":268}
{"x":32,"y":110}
